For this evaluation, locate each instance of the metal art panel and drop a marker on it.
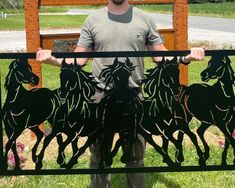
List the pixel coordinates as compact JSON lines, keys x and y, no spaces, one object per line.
{"x":165,"y":110}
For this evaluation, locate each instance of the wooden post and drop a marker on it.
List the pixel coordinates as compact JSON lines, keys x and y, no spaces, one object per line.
{"x":180,"y":24}
{"x":33,"y":34}
{"x":33,"y":37}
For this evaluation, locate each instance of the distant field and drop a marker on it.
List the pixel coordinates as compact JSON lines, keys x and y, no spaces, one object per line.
{"x":15,"y":22}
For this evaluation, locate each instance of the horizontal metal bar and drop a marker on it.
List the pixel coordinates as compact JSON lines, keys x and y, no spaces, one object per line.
{"x":118,"y":170}
{"x":115,"y":54}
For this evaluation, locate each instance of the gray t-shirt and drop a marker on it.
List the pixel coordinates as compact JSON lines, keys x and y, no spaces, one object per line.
{"x":131,"y":31}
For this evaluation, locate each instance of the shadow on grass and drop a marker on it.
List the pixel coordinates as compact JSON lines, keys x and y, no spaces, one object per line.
{"x":151,"y":180}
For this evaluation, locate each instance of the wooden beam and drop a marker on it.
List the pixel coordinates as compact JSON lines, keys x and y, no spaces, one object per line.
{"x":98,"y":2}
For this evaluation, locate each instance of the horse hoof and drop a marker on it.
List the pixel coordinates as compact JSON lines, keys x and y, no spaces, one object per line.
{"x":60,"y":162}
{"x":17,"y":168}
{"x":5,"y":166}
{"x":169,"y":162}
{"x":179,"y":159}
{"x":202,"y":163}
{"x":206,"y":156}
{"x":125,"y":159}
{"x":177,"y":163}
{"x":63,"y":165}
{"x":224,"y":163}
{"x":101,"y":165}
{"x":109,"y":162}
{"x":38,"y":166}
{"x":70,"y":164}
{"x":34,"y":159}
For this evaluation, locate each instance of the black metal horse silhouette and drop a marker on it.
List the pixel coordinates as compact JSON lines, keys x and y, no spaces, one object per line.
{"x":163,"y":114}
{"x":120,"y":110}
{"x":24,"y":109}
{"x":76,"y":116}
{"x":213,"y":104}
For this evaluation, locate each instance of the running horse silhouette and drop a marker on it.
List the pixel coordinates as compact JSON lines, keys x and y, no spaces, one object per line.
{"x":23,"y":108}
{"x":163,"y":114}
{"x":120,"y":110}
{"x":217,"y":104}
{"x":77,"y":115}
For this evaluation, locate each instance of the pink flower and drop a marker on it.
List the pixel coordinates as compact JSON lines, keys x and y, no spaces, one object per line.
{"x":233,"y":134}
{"x":11,"y":160}
{"x":20,"y":146}
{"x":221,"y":143}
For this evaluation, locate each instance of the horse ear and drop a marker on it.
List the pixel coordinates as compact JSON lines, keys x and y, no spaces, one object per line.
{"x":227,"y":59}
{"x":14,"y":64}
{"x":64,"y":64}
{"x":174,"y":60}
{"x":75,"y":64}
{"x":75,"y":61}
{"x":163,"y":60}
{"x":128,"y":62}
{"x":115,"y":61}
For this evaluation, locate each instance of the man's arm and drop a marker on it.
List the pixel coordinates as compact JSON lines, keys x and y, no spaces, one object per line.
{"x":196,"y":54}
{"x":44,"y":56}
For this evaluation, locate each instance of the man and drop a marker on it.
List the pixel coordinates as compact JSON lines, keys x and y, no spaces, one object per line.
{"x":119,"y":27}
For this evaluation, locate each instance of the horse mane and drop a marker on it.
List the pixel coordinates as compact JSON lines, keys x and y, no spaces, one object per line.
{"x":88,"y":84}
{"x":154,"y":75}
{"x":231,"y":71}
{"x":85,"y":80}
{"x":152,"y":81}
{"x":107,"y":73}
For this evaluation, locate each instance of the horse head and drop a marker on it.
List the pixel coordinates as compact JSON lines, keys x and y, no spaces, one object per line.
{"x":21,"y":72}
{"x":68,"y":79}
{"x":73,"y":79}
{"x":218,"y":66}
{"x":118,"y":74}
{"x":163,"y":77}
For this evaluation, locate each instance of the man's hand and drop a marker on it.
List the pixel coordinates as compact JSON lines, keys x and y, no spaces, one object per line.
{"x":44,"y":56}
{"x":196,"y":54}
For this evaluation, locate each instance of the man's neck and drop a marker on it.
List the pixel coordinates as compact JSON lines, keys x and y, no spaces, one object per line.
{"x":118,"y":9}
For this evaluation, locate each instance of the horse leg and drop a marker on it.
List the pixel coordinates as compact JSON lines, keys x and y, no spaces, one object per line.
{"x":62,"y":146}
{"x":16,"y":156}
{"x":117,"y":145}
{"x":39,"y":134}
{"x":12,"y":134}
{"x":106,"y":158}
{"x":75,"y":146}
{"x":230,"y":139}
{"x":225,"y":151}
{"x":179,"y":153}
{"x":165,"y":143}
{"x":126,"y":157}
{"x":178,"y":144}
{"x":90,"y":140}
{"x":46,"y":142}
{"x":61,"y":156}
{"x":149,"y":139}
{"x":193,"y":138}
{"x":200,"y":131}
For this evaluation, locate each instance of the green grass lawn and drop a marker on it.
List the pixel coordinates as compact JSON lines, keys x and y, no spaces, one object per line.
{"x":226,"y":10}
{"x":46,"y":22}
{"x":214,"y":179}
